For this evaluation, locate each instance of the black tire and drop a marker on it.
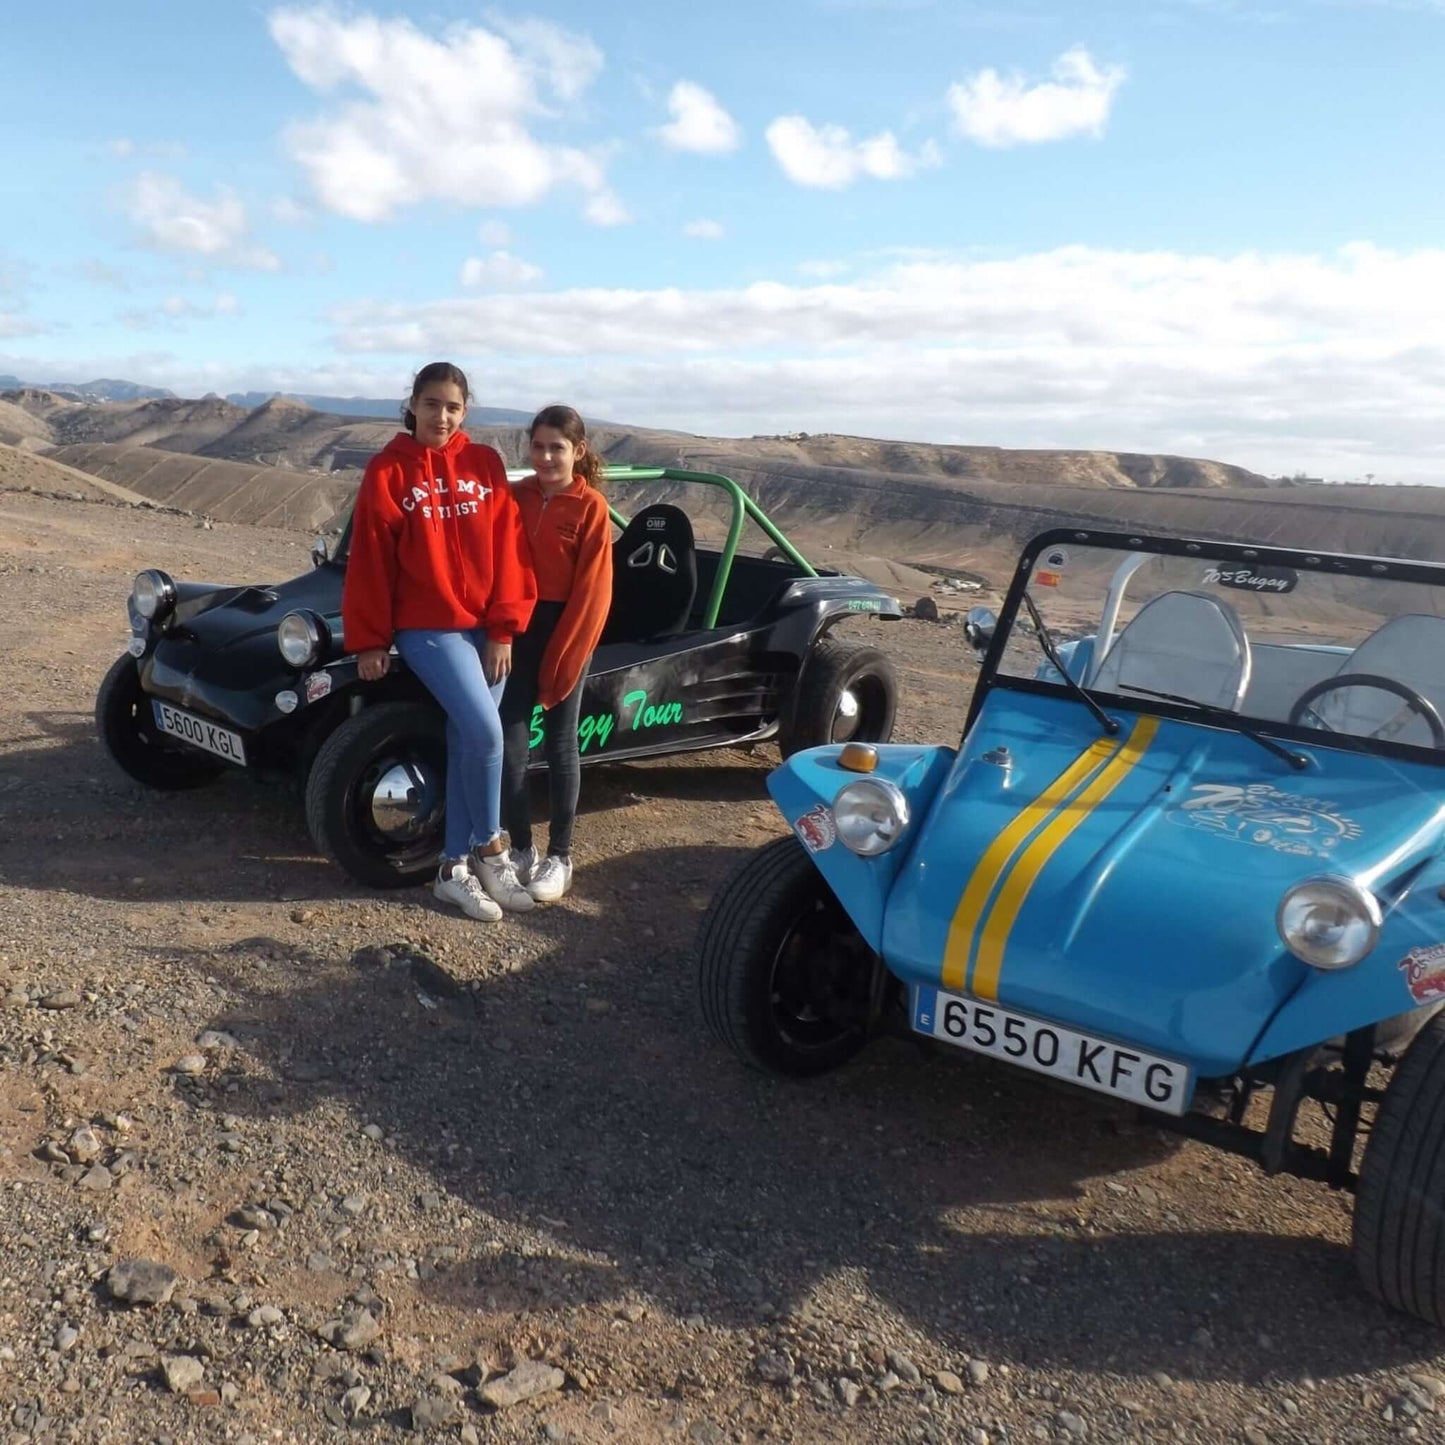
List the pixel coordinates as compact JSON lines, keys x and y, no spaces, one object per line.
{"x":126,"y":725}
{"x":340,"y":793}
{"x":784,"y":978}
{"x":836,"y":673}
{"x":1399,"y":1225}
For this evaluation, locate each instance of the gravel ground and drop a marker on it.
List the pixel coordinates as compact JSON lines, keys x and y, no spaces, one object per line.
{"x":397,"y":1173}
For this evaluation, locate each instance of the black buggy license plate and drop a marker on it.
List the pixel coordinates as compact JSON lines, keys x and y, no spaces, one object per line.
{"x":209,"y":736}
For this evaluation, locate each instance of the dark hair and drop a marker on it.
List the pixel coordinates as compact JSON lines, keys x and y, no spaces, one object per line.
{"x":433,"y":371}
{"x":569,"y":423}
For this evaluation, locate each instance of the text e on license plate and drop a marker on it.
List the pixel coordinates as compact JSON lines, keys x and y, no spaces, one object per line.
{"x":199,"y":732}
{"x":1047,"y":1048}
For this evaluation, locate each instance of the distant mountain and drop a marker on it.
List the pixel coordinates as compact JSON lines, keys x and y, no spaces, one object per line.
{"x":104,"y":389}
{"x":369,"y":406}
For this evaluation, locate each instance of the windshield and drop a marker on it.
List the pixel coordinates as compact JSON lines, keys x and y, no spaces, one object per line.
{"x":1321,"y":648}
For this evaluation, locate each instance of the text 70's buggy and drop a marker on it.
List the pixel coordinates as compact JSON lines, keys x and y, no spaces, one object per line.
{"x":1188,"y":853}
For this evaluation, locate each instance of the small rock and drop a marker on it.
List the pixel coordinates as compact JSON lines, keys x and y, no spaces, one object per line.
{"x":263,"y":1316}
{"x":354,"y":1205}
{"x":214,"y":1039}
{"x":355,"y":1330}
{"x":1072,"y":1425}
{"x":182,"y":1372}
{"x":431,"y":1411}
{"x":977,"y":1373}
{"x":65,"y":1338}
{"x":252,"y":1216}
{"x":977,"y":1435}
{"x":140,"y":1282}
{"x":374,"y":1132}
{"x":948,"y":1383}
{"x":354,"y":1401}
{"x":529,"y":1379}
{"x":191,"y":1064}
{"x":84,"y":1145}
{"x":97,"y":1179}
{"x":904,"y":1368}
{"x":847,"y":1392}
{"x":61,"y":998}
{"x":468,"y":1435}
{"x":887,"y":1383}
{"x":318,"y":1262}
{"x":775,"y":1367}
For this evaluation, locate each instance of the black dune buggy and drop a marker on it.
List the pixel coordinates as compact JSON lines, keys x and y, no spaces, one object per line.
{"x":704,"y":647}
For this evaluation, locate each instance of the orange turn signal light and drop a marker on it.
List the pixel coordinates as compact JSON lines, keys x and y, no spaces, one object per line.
{"x":858,"y":757}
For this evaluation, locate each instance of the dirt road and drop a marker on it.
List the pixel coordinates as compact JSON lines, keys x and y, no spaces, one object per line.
{"x":391,"y":1154}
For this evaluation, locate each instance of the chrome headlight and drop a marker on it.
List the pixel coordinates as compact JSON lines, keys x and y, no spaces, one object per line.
{"x":153,"y":594}
{"x":870,"y":816}
{"x":298,"y":635}
{"x":1329,"y":921}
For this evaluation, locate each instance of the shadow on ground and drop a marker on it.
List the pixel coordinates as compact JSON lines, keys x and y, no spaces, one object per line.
{"x":579,"y":1096}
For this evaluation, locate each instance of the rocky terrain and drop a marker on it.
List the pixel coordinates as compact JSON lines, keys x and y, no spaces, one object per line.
{"x":285,"y":1160}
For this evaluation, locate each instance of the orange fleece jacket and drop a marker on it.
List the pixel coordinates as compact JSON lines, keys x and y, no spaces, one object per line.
{"x":436,"y":542}
{"x":570,"y":534}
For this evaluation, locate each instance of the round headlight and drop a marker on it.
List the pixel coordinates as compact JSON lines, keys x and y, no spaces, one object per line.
{"x":153,"y":593}
{"x":870,"y":815}
{"x":299,"y":638}
{"x":1329,"y":922}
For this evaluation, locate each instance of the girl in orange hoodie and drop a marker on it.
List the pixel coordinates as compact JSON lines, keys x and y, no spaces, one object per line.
{"x":564,"y":515}
{"x":439,"y":566}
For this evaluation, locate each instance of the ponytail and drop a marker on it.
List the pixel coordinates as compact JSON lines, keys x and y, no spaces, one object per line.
{"x":564,"y":419}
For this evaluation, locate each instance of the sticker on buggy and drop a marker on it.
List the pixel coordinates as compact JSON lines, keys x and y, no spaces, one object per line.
{"x":1254,"y":579}
{"x":318,"y":684}
{"x":816,"y":828}
{"x":1055,"y":559}
{"x":1267,"y":818}
{"x":1424,"y":970}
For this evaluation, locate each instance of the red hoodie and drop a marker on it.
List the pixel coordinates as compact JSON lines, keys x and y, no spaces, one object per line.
{"x":436,"y":542}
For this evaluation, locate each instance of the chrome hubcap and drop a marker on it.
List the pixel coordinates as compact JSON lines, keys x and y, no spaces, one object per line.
{"x":399,"y":802}
{"x":845,"y":718}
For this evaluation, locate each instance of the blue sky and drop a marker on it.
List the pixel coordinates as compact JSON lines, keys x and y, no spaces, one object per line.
{"x":1212,"y":227}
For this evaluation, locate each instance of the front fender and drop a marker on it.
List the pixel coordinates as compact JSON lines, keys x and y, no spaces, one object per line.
{"x":804,"y":789}
{"x":1404,"y":971}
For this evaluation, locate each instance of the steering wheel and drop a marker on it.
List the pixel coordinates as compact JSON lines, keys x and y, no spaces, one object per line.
{"x":1303,"y":714}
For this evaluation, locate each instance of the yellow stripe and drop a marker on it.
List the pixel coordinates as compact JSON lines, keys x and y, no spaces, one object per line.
{"x":1000,"y":853}
{"x":1036,"y":857}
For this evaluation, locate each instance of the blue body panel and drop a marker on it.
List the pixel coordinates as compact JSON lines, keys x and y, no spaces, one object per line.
{"x":1128,"y":886}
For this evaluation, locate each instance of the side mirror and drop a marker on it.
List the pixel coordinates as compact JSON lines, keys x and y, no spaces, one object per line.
{"x":320,"y":552}
{"x":978,"y":627}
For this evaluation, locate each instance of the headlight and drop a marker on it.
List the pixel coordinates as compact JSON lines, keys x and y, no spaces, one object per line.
{"x":153,"y":594}
{"x":298,"y":635}
{"x":1328,"y":922}
{"x":870,"y":815}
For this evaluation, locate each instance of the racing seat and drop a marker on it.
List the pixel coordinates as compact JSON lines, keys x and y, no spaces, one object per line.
{"x":654,"y":576}
{"x":1408,"y":649}
{"x":1186,"y":643}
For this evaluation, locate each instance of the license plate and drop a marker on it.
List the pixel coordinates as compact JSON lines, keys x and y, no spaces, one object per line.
{"x":1046,"y":1048}
{"x":199,"y":732}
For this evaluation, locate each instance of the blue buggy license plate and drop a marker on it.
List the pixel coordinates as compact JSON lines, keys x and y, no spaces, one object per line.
{"x":1048,"y":1048}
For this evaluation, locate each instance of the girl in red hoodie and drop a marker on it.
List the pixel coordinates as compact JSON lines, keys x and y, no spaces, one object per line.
{"x":570,"y":534}
{"x":439,"y":567}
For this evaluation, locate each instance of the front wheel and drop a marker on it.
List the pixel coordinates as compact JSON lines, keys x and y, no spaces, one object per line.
{"x":784,"y":977}
{"x":127,"y":729}
{"x":376,"y":794}
{"x":1399,"y":1227}
{"x":847,"y":694}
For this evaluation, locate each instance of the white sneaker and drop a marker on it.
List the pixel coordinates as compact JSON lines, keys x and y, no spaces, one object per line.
{"x":524,"y":860}
{"x":456,"y":883}
{"x":499,"y":878}
{"x":551,"y":878}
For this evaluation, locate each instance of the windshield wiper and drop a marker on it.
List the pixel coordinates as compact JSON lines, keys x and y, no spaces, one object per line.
{"x":1046,"y":641}
{"x":1223,"y":714}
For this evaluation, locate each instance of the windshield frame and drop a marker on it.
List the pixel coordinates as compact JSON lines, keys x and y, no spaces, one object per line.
{"x":1385,"y":569}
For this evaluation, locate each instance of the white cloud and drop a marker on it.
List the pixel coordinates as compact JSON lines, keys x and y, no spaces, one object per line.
{"x":414,"y":117}
{"x":823,"y":270}
{"x":699,"y":124}
{"x":171,"y":311}
{"x":288,"y":211}
{"x":102,"y":273}
{"x":494,"y":234}
{"x":703,"y":230}
{"x":828,"y":158}
{"x":500,"y":270}
{"x":1281,"y":361}
{"x":170,"y":219}
{"x":12,"y":325}
{"x":123,"y":148}
{"x":998,"y":111}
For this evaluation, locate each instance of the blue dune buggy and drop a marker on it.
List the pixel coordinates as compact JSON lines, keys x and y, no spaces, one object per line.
{"x":1190,"y":853}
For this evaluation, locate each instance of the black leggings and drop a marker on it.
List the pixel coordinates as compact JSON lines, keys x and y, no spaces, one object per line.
{"x":559,"y":740}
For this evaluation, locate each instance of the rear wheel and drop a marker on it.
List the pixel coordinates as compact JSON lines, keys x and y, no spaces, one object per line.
{"x":847,"y":694}
{"x":376,"y":794}
{"x":127,"y":728}
{"x":1399,"y":1226}
{"x":784,"y":977}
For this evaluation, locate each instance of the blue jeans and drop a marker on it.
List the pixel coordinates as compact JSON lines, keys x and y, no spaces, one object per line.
{"x":450,"y":666}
